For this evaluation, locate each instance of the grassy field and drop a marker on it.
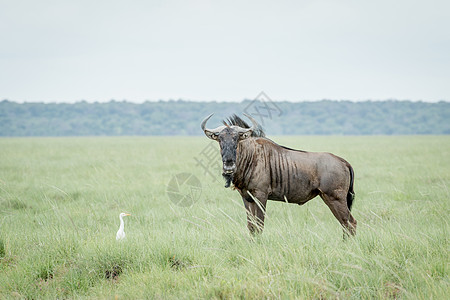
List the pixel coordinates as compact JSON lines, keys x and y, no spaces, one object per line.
{"x":60,"y":199}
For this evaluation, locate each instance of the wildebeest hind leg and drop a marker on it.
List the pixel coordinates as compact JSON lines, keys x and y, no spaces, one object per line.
{"x":338,"y":206}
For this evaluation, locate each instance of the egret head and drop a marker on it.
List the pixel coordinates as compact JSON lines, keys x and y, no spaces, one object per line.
{"x":124,"y":215}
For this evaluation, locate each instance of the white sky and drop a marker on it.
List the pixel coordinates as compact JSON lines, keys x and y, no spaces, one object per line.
{"x":66,"y":51}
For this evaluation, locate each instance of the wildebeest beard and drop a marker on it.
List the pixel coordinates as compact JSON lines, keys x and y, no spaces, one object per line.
{"x":228,"y":179}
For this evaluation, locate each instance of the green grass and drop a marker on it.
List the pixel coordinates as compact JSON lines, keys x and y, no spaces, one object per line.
{"x":60,"y":199}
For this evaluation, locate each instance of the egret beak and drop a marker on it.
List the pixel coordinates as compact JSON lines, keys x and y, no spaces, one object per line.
{"x":127,"y":214}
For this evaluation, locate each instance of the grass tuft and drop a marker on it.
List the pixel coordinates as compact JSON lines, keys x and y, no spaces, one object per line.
{"x":2,"y":248}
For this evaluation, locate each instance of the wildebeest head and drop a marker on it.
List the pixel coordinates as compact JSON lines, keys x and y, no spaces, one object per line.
{"x":228,"y":137}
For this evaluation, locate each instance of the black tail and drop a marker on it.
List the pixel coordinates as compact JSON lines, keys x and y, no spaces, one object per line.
{"x":351,"y":193}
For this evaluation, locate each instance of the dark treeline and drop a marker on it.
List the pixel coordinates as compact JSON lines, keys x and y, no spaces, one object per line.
{"x":184,"y":117}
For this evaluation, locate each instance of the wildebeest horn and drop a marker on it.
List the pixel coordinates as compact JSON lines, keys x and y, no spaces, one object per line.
{"x":204,"y":122}
{"x":255,"y":124}
{"x":203,"y":125}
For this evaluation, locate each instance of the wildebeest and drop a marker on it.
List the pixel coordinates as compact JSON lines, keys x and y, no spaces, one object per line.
{"x":260,"y":170}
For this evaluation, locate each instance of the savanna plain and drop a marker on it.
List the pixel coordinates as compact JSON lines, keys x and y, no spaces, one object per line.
{"x":60,"y":200}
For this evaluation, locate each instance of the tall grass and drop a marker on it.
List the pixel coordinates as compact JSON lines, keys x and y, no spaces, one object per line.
{"x":60,"y":199}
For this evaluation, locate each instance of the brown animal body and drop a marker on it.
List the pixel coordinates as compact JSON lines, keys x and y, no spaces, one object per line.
{"x":262,"y":170}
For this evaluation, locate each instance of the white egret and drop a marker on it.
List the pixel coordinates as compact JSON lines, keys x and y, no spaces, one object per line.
{"x":120,"y":233}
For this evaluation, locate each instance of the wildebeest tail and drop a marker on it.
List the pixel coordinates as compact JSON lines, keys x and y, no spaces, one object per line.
{"x":351,"y":193}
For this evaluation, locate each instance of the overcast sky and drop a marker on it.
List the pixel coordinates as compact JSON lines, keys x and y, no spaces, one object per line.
{"x":67,"y":51}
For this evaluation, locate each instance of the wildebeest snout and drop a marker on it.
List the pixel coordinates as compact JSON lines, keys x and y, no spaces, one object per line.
{"x":229,"y":166}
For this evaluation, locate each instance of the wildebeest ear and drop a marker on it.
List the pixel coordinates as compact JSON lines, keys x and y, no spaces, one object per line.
{"x":245,"y":135}
{"x":211,"y":135}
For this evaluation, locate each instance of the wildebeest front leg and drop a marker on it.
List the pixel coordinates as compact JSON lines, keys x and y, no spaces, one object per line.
{"x":256,"y":208}
{"x":337,"y":203}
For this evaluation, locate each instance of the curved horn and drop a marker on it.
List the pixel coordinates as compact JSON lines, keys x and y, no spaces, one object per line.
{"x":204,"y":122}
{"x":211,"y":133}
{"x":255,"y":124}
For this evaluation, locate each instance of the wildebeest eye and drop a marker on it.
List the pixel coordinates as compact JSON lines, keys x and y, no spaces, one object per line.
{"x":212,"y":135}
{"x":245,"y":135}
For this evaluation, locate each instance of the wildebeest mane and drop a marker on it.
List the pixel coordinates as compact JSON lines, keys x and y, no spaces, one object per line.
{"x":287,"y":148}
{"x":237,"y":121}
{"x":258,"y":132}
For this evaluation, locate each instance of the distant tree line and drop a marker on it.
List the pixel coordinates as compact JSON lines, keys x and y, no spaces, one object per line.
{"x":180,"y":117}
